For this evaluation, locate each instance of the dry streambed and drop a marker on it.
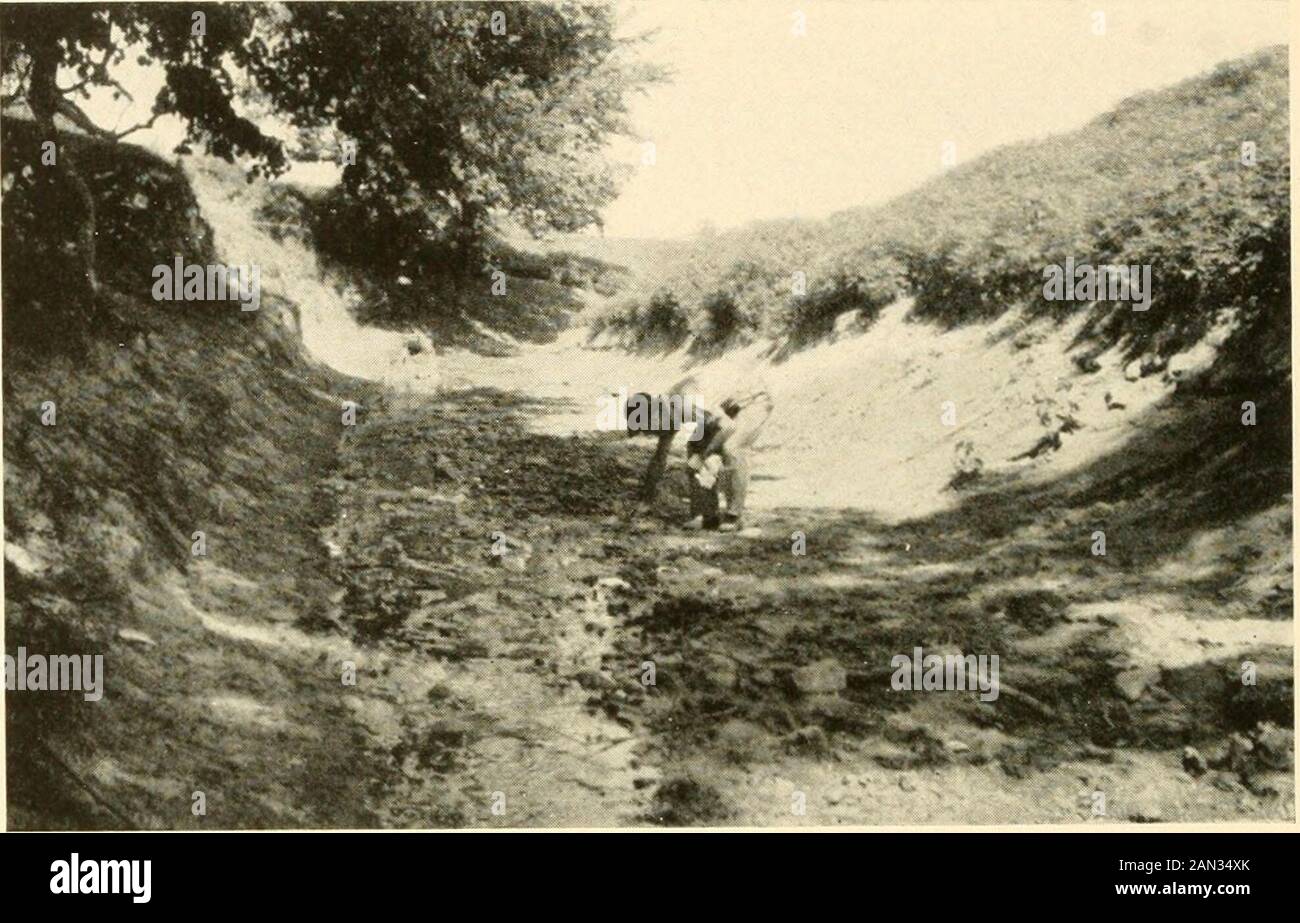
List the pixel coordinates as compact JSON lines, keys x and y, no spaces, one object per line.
{"x":544,"y":654}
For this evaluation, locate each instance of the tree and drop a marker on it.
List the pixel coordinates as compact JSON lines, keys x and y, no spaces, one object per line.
{"x":194,"y":44}
{"x":459,"y":111}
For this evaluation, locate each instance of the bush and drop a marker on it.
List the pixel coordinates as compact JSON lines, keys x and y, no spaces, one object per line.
{"x":811,"y":317}
{"x":726,"y":322}
{"x":663,"y":324}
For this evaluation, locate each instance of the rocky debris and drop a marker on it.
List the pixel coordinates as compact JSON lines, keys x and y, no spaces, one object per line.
{"x":1152,"y":363}
{"x":1250,"y":759}
{"x":1146,"y":808}
{"x":848,"y":323}
{"x":720,"y":670}
{"x":1225,"y":782}
{"x":1146,"y":365}
{"x":515,"y":563}
{"x":832,"y":711}
{"x":1096,"y":752}
{"x":1194,"y":764}
{"x":442,"y":743}
{"x":820,"y":677}
{"x":23,"y":560}
{"x":136,"y":637}
{"x":1274,"y":747}
{"x":741,"y":740}
{"x":684,"y":801}
{"x":1240,"y":754}
{"x":810,"y":740}
{"x":901,"y":727}
{"x":687,"y":569}
{"x":1272,"y":696}
{"x":1133,"y":682}
{"x":1030,"y":336}
{"x":391,"y":552}
{"x":892,"y":756}
{"x":1086,"y":362}
{"x":595,"y":680}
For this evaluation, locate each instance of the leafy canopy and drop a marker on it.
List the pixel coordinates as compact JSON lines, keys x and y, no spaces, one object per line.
{"x":458,"y":112}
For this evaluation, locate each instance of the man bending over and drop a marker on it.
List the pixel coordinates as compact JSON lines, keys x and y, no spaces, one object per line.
{"x":717,"y":452}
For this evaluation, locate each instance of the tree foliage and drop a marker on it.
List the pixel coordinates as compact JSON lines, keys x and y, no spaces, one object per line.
{"x":457,"y":116}
{"x":459,"y":112}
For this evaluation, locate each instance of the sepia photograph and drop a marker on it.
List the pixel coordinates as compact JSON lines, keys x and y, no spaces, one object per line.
{"x":767,"y":415}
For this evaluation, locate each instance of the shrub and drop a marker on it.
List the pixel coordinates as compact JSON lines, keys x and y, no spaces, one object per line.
{"x":811,"y":317}
{"x":663,"y":324}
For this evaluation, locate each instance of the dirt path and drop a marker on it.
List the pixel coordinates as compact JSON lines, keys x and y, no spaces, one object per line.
{"x":548,"y":655}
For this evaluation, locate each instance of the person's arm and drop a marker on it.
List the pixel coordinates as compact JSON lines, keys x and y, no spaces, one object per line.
{"x":726,"y":426}
{"x":751,"y":420}
{"x":739,"y":431}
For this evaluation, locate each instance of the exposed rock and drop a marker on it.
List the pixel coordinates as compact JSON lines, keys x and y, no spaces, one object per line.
{"x":720,"y":670}
{"x":847,"y":323}
{"x":1193,"y":763}
{"x":26,"y":563}
{"x":1132,"y":683}
{"x":1274,"y":747}
{"x":820,"y":677}
{"x":515,"y":563}
{"x":1225,"y":782}
{"x":1146,"y":809}
{"x":742,"y":740}
{"x":136,"y":637}
{"x":1152,"y":363}
{"x":1240,"y":755}
{"x":811,"y":740}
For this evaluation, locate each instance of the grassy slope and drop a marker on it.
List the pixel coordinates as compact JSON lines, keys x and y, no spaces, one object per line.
{"x":1157,"y":181}
{"x":172,"y":418}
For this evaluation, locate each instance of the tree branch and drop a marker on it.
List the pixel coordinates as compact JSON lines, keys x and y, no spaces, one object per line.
{"x":72,"y":112}
{"x":99,"y":74}
{"x":118,"y":136}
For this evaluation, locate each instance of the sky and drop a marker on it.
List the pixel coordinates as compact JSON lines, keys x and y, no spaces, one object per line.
{"x":761,"y":123}
{"x":799,"y":108}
